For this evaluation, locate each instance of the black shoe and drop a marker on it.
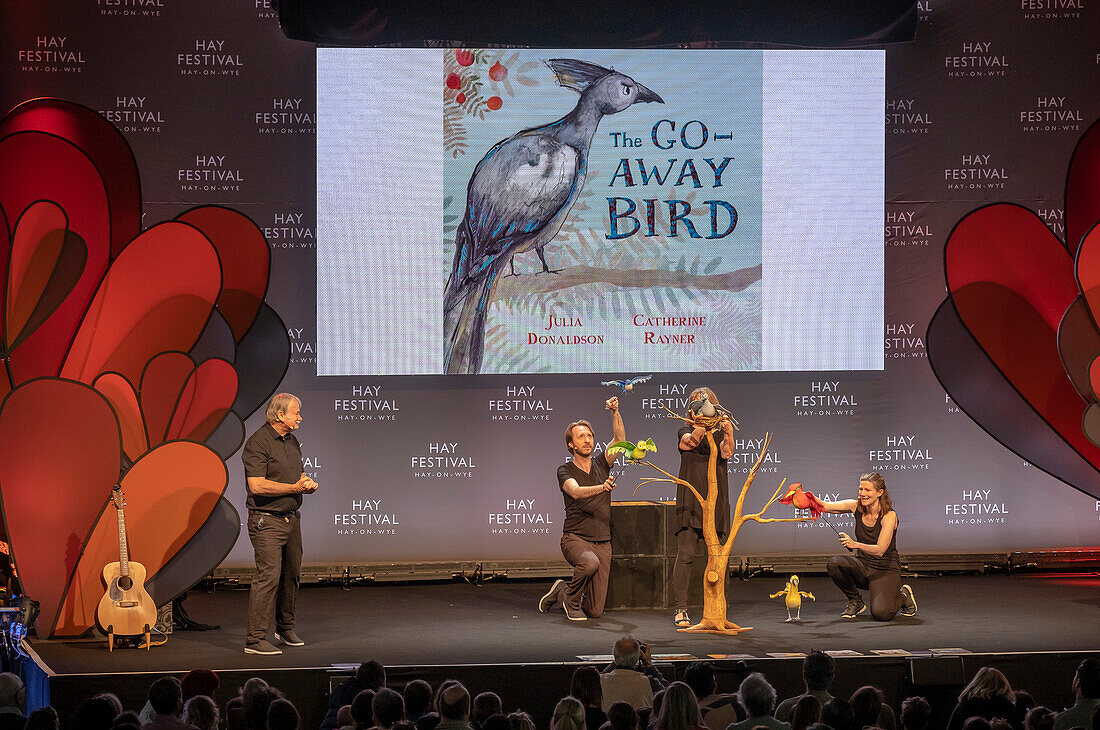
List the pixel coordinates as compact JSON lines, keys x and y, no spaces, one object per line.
{"x":263,"y":647}
{"x":289,"y":638}
{"x":855,"y":608}
{"x":547,"y":602}
{"x":909,"y":603}
{"x":574,"y":614}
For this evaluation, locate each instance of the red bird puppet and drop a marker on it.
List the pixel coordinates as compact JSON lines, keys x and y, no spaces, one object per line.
{"x":803,"y":499}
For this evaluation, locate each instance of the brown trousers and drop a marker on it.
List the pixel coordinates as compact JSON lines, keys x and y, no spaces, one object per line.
{"x":278,"y":545}
{"x":591,"y":563}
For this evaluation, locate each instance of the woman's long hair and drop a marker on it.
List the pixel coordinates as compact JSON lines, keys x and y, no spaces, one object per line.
{"x":586,"y":687}
{"x":885,"y":504}
{"x":568,"y":715}
{"x":698,"y":393}
{"x":987,"y":683}
{"x":679,"y":709}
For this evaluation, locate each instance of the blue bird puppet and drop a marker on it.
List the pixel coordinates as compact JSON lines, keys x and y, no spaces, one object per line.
{"x":518,"y":197}
{"x":627,"y":385}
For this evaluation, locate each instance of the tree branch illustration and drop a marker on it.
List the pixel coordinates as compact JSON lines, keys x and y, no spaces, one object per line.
{"x":514,"y":286}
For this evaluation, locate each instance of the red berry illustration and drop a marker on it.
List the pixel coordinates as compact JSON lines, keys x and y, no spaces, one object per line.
{"x":461,"y":98}
{"x":453,"y":81}
{"x":494,"y":103}
{"x":497,"y":72}
{"x":464,"y":57}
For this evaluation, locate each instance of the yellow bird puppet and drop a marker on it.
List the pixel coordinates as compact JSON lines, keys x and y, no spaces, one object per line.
{"x":792,"y":598}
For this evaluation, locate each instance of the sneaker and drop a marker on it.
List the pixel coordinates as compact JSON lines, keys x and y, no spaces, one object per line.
{"x":289,"y":638}
{"x":855,"y":608}
{"x":574,"y":614}
{"x":909,"y":603}
{"x":547,"y":602}
{"x":263,"y":647}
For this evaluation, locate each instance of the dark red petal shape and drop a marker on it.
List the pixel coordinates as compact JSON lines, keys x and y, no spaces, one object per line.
{"x":1088,"y":270}
{"x":1011,"y":281}
{"x":246,"y":261}
{"x":159,"y":391}
{"x":1083,"y":187}
{"x":46,"y":261}
{"x":60,"y":446}
{"x":170,"y":493}
{"x":204,"y":401}
{"x":156,"y":298}
{"x":102,"y":143}
{"x":36,"y":166}
{"x":119,"y":392}
{"x":1078,"y":344}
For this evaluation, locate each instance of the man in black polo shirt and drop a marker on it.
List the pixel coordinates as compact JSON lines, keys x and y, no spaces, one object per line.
{"x":586,"y":485}
{"x":273,"y":471}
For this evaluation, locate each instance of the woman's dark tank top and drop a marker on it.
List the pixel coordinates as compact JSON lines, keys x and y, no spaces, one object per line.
{"x":890,"y":560}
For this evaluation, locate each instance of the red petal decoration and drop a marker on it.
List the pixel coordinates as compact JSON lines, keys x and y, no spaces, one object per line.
{"x":35,"y":166}
{"x":145,"y":305}
{"x":1087,"y":270}
{"x":120,"y":394}
{"x":1083,"y":187}
{"x":105,"y":147}
{"x":60,"y":447}
{"x":170,"y":492}
{"x":161,"y":383}
{"x":1012,"y":281}
{"x":204,"y":401}
{"x":246,"y":261}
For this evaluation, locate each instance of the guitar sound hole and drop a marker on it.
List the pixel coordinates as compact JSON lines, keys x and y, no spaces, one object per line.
{"x":125,"y":583}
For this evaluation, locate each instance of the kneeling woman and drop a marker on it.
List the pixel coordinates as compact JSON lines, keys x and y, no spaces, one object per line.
{"x":874,"y":564}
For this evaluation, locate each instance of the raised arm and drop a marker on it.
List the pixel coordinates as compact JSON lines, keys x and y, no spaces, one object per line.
{"x":618,"y":430}
{"x":844,"y":505}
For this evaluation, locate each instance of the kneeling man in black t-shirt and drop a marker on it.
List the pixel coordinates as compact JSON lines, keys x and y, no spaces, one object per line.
{"x":586,"y":485}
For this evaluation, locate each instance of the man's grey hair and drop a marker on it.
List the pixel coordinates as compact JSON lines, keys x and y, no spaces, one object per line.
{"x":626,"y":651}
{"x":757,"y":695}
{"x":279,"y":403}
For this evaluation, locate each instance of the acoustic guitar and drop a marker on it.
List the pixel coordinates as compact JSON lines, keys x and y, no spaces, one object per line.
{"x":126,"y":609}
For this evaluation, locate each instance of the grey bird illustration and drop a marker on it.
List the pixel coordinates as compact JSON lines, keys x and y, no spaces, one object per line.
{"x":518,"y":197}
{"x":703,"y":407}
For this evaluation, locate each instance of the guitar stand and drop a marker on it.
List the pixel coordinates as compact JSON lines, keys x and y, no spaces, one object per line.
{"x":111,"y":638}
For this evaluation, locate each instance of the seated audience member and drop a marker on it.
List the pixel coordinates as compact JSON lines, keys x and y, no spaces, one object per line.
{"x":717,"y":710}
{"x":116,"y":703}
{"x":13,"y":701}
{"x":568,"y":715}
{"x":915,"y":713}
{"x":388,"y":709}
{"x":199,"y":682}
{"x":128,"y":717}
{"x":344,"y":719}
{"x":94,"y":713}
{"x":631,"y":677}
{"x":521,"y":721}
{"x":369,"y":675}
{"x":1024,"y":701}
{"x":838,"y":714}
{"x":484,"y":705}
{"x":283,"y":715}
{"x":1086,"y":692}
{"x":621,"y":716}
{"x":587,"y":687}
{"x":496,"y":722}
{"x":819,"y":726}
{"x":200,"y":711}
{"x":999,"y":723}
{"x":976,"y":722}
{"x":43,"y":719}
{"x":988,"y":695}
{"x":256,"y":705}
{"x":870,"y":707}
{"x":818,"y":670}
{"x":1039,"y":718}
{"x":362,"y":709}
{"x":806,"y":712}
{"x":757,"y":696}
{"x":418,"y":699}
{"x":679,"y":709}
{"x":166,"y":699}
{"x":454,"y":708}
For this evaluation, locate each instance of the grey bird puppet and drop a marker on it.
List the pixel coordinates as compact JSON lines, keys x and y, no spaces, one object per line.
{"x":518,"y":197}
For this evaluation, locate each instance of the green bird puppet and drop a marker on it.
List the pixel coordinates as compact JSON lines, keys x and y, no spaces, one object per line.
{"x":634,"y":452}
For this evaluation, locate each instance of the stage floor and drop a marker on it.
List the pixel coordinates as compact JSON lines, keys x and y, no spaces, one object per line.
{"x":448,"y":624}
